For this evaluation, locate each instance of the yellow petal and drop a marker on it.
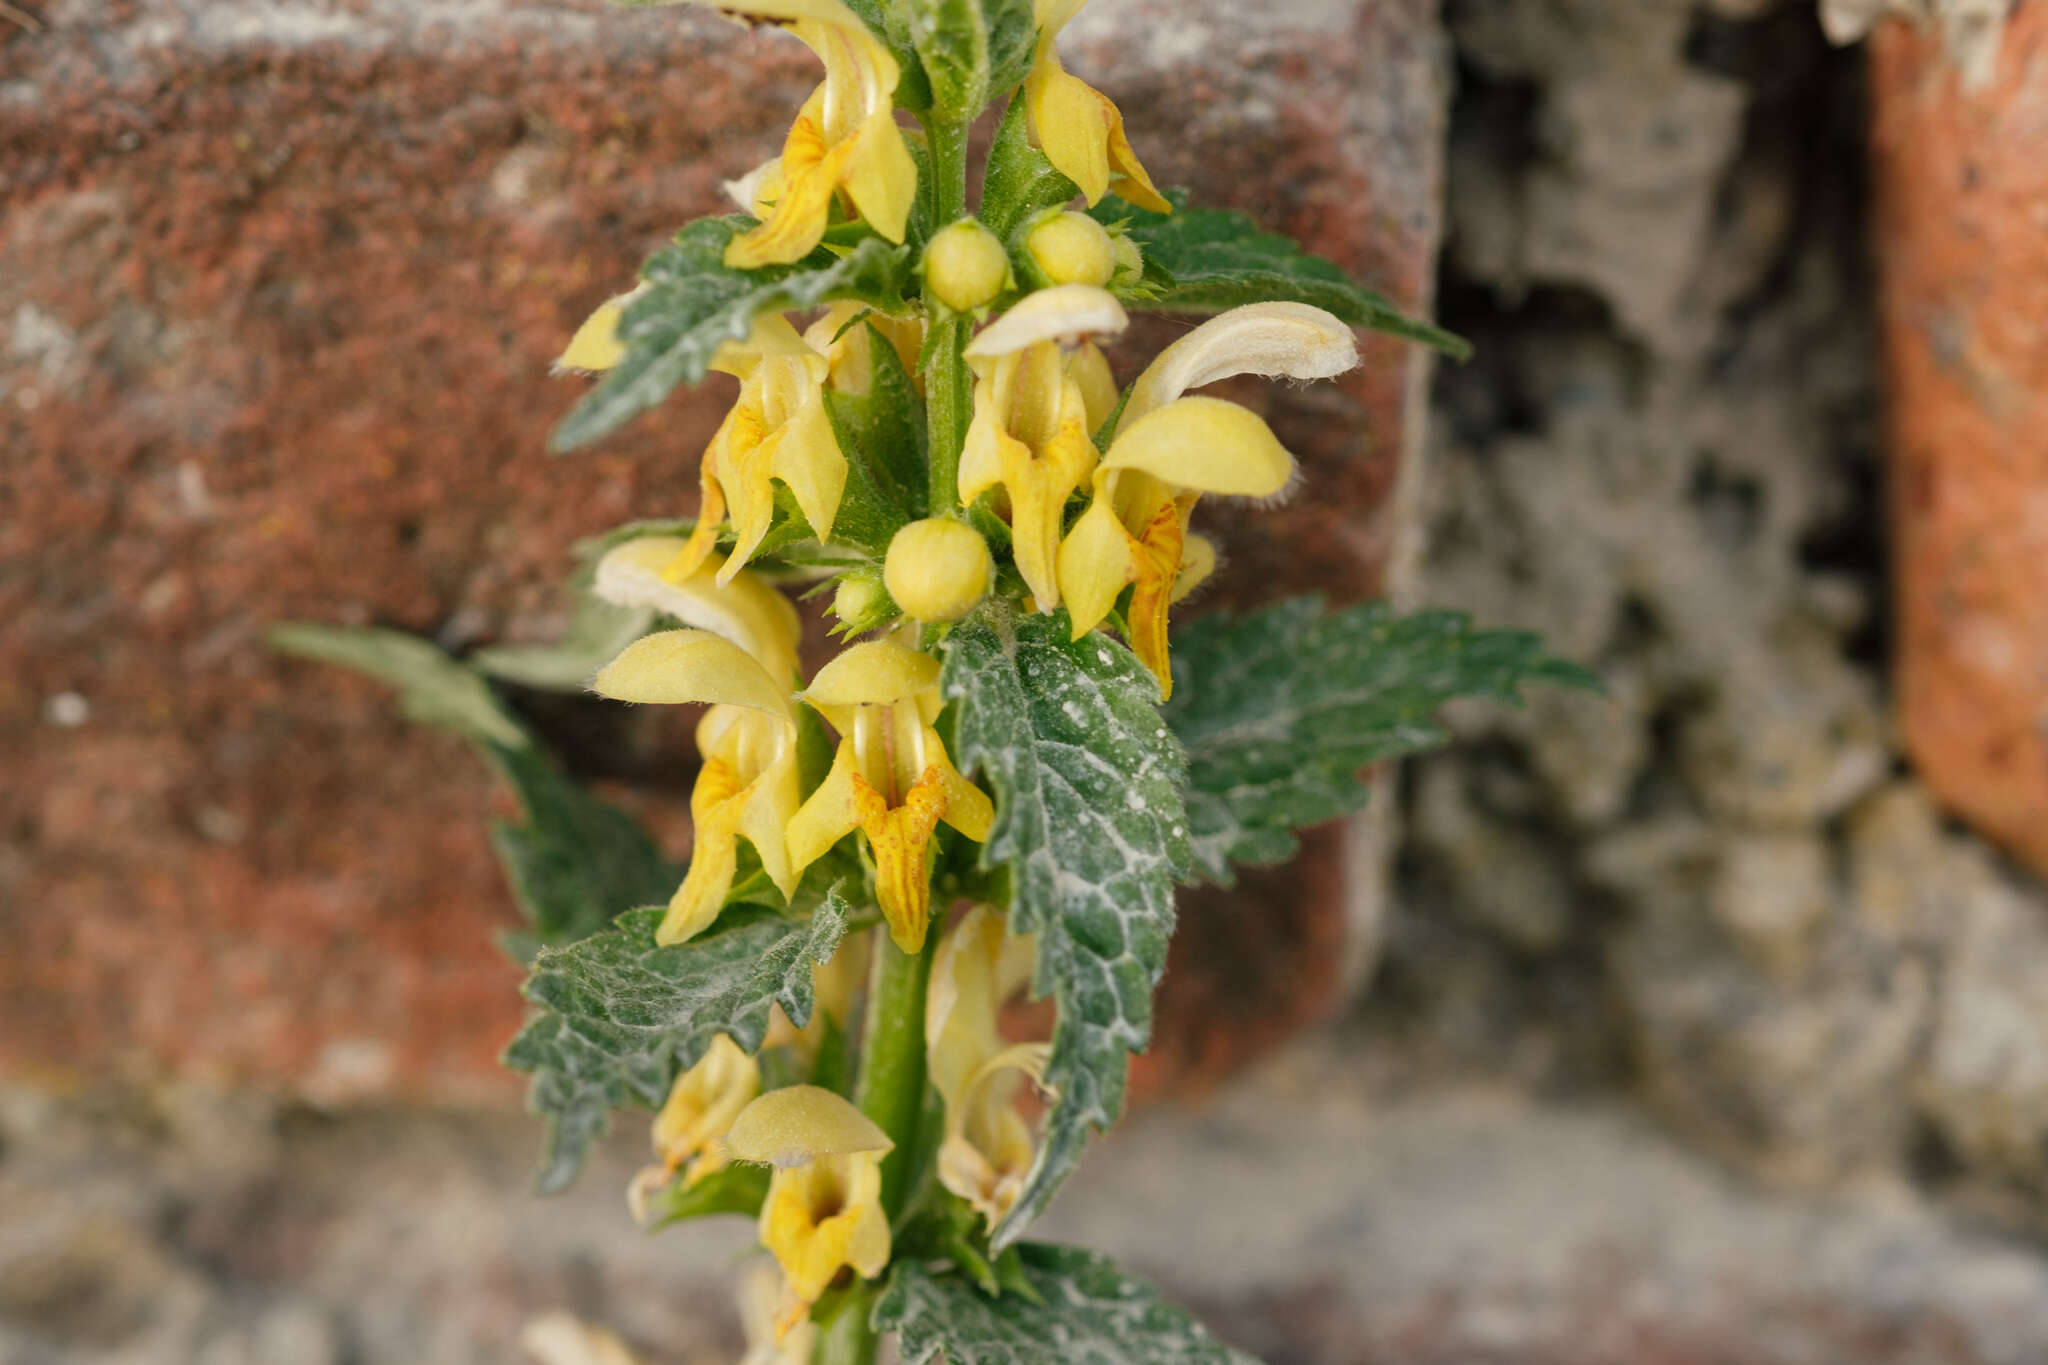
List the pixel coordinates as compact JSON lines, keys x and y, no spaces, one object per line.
{"x":1095,"y":563}
{"x":1206,"y":445}
{"x":1277,"y":340}
{"x":900,"y":839}
{"x":812,"y":1249}
{"x":808,"y":459}
{"x":1197,"y":563}
{"x":746,"y":609}
{"x":880,"y":176}
{"x":596,"y":345}
{"x":968,"y":808}
{"x":683,"y":666}
{"x":716,"y":802}
{"x":1157,"y":555}
{"x":704,"y":1101}
{"x":1065,"y":311}
{"x":1068,"y":124}
{"x":829,"y":815}
{"x":872,"y":673}
{"x":799,"y":1124}
{"x":1089,"y":369}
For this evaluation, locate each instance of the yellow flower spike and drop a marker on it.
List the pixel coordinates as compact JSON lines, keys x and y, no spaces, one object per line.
{"x":986,"y":1151}
{"x":596,"y":346}
{"x":748,"y":786}
{"x":1169,"y":450}
{"x":824,"y":1205}
{"x":845,"y":138}
{"x":1077,"y":126}
{"x":891,"y":778}
{"x":777,"y":430}
{"x":745,"y":609}
{"x":1031,"y":430}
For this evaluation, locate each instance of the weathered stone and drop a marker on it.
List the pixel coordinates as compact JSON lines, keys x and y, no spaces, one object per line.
{"x":1962,"y":190}
{"x":279,"y":288}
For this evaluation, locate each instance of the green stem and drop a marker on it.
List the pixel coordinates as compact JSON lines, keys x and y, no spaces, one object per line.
{"x":848,"y":1340}
{"x":892,"y":1076}
{"x":948,"y":392}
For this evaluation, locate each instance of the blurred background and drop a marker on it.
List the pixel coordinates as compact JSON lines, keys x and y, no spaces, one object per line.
{"x":1703,"y":1024}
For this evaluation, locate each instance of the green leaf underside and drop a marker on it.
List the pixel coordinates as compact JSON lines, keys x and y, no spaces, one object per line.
{"x":432,"y":688}
{"x":619,"y":1018}
{"x":1089,"y":821}
{"x":1218,"y":258}
{"x":694,"y":303}
{"x":1091,"y":1314}
{"x":1281,"y":709}
{"x":729,"y":1189}
{"x":575,"y":863}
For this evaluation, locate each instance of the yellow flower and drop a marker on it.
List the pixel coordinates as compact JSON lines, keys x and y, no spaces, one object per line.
{"x":890,"y":779}
{"x":986,"y":1151}
{"x":748,"y":784}
{"x":824,"y":1207}
{"x":1080,"y":131}
{"x":1036,"y":408}
{"x":701,"y":1107}
{"x":741,"y":606}
{"x":777,"y":430}
{"x":1169,"y":450}
{"x":845,"y":139}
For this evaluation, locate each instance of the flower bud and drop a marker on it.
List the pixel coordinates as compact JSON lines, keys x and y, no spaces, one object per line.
{"x":937,"y":569}
{"x":1130,"y":261}
{"x":861,"y":602}
{"x":965,"y":267}
{"x":1072,"y":248}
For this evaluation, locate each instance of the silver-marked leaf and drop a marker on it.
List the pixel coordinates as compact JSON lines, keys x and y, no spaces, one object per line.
{"x":1207,"y":260}
{"x":619,"y":1018}
{"x":1281,"y":709}
{"x":1088,"y":1313}
{"x":694,"y":303}
{"x":1089,"y":823}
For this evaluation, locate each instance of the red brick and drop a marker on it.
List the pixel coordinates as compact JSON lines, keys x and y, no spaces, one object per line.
{"x":1962,"y":203}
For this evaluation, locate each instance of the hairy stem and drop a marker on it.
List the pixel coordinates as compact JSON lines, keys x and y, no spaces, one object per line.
{"x":948,"y":393}
{"x":892,"y":1075}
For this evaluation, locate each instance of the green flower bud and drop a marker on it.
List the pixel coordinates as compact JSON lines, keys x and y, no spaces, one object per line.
{"x":937,"y":569}
{"x":965,"y":267}
{"x":861,"y":602}
{"x":1130,"y":262}
{"x":1072,"y":248}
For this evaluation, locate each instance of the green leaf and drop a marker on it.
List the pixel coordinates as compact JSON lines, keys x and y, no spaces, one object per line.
{"x":1012,"y":42}
{"x":694,"y":303}
{"x":951,"y":38}
{"x":729,"y":1189}
{"x":1019,"y":182}
{"x":1282,"y":708}
{"x":1207,"y":260}
{"x":432,"y":688}
{"x":1089,"y":821}
{"x":881,"y":433}
{"x":575,"y":863}
{"x":597,"y":631}
{"x":1089,"y":1313}
{"x":619,"y":1018}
